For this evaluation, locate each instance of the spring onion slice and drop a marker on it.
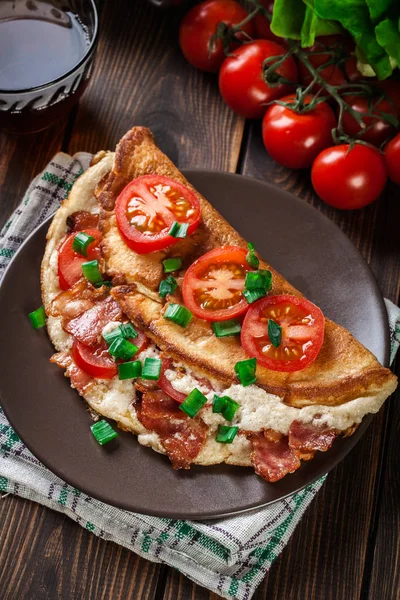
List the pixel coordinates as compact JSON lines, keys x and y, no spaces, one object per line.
{"x":230,"y":408}
{"x":151,"y":369}
{"x":167,"y":286}
{"x":81,"y":243}
{"x":226,"y":406}
{"x":172,"y":264}
{"x":178,"y":314}
{"x":104,"y":282}
{"x":130,"y":370}
{"x":254,"y":295}
{"x":226,"y":434}
{"x":179,"y":230}
{"x":246,"y":371}
{"x":258,"y":280}
{"x":125,"y":330}
{"x":103,"y":432}
{"x":91,"y":271}
{"x":226,"y":328}
{"x":218,"y":403}
{"x":251,"y":257}
{"x":37,"y":318}
{"x":193,"y":403}
{"x":274,"y":333}
{"x":121,"y":348}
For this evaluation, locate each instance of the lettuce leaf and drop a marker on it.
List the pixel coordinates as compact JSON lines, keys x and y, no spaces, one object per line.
{"x":374,"y":25}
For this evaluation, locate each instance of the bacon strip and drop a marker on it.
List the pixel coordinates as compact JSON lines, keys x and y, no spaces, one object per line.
{"x":82,"y":219}
{"x":75,"y":301}
{"x":79,"y":379}
{"x":87,"y":327}
{"x":181,"y":436}
{"x":272,"y":458}
{"x":310,"y":437}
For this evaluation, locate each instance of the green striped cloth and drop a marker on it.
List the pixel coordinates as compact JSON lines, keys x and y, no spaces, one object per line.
{"x":229,"y":556}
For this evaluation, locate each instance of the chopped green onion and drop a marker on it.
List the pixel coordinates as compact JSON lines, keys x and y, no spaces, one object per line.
{"x":274,"y":333}
{"x":81,"y":243}
{"x":151,"y":369}
{"x":91,"y":271}
{"x":226,"y":406}
{"x":193,"y":403}
{"x":254,"y":295}
{"x":178,"y":314}
{"x":104,"y":282}
{"x":103,"y":432}
{"x":230,"y":409}
{"x":258,"y":280}
{"x":218,"y":403}
{"x":38,"y":318}
{"x":179,"y":230}
{"x":172,"y":264}
{"x":121,"y":348}
{"x":167,"y":286}
{"x":251,"y":257}
{"x":128,"y":331}
{"x":246,"y":371}
{"x":226,"y":328}
{"x":125,"y":330}
{"x":226,"y":434}
{"x":130,"y":370}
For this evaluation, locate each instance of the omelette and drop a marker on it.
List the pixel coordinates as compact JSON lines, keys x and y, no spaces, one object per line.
{"x":168,"y":322}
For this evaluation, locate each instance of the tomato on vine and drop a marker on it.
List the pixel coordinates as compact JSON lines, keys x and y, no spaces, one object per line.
{"x":203,"y":22}
{"x":376,"y":115}
{"x":349,"y":178}
{"x":242,"y":78}
{"x":392,"y":159}
{"x":338,"y":71}
{"x":294,"y":137}
{"x":262,"y":24}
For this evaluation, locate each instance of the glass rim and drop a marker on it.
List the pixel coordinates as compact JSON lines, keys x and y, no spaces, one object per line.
{"x":88,"y":52}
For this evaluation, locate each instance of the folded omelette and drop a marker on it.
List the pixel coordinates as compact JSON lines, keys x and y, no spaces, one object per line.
{"x":167,"y":321}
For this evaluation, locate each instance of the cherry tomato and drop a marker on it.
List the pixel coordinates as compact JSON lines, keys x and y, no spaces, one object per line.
{"x":70,"y":262}
{"x":200,"y":24}
{"x":302,"y":332}
{"x":294,"y":139}
{"x":262,"y":25}
{"x":391,"y":89}
{"x":392,"y":159}
{"x":213,"y":284}
{"x":333,"y":73}
{"x":166,"y":385}
{"x":241,"y":80}
{"x":349,"y":179}
{"x":96,"y":361}
{"x":380,"y":130}
{"x":147,"y":208}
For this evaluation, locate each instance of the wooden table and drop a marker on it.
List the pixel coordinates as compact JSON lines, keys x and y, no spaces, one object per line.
{"x":347,"y":544}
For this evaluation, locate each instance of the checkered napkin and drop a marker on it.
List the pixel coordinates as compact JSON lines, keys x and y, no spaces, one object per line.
{"x":229,"y":556}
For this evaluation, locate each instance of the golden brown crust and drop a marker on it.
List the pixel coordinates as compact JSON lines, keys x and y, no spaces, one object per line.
{"x":344,"y":369}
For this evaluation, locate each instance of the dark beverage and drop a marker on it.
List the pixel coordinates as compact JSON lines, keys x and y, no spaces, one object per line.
{"x":45,"y":60}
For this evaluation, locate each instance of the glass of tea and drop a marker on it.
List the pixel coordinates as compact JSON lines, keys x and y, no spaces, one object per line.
{"x":46,"y":58}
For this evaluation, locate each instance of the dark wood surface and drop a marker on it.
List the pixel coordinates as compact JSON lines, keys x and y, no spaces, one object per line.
{"x":347,"y":545}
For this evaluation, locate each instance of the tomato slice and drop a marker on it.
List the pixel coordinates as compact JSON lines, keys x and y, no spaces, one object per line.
{"x":148,"y":206}
{"x":96,"y":361}
{"x":70,"y":262}
{"x":213,"y":285}
{"x":302,"y":332}
{"x":166,"y":385}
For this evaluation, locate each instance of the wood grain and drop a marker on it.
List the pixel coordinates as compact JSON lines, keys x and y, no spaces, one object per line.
{"x":45,"y":555}
{"x":21,"y":158}
{"x":148,"y":82}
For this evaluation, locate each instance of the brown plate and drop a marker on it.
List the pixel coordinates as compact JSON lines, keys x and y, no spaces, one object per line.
{"x":307,"y":248}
